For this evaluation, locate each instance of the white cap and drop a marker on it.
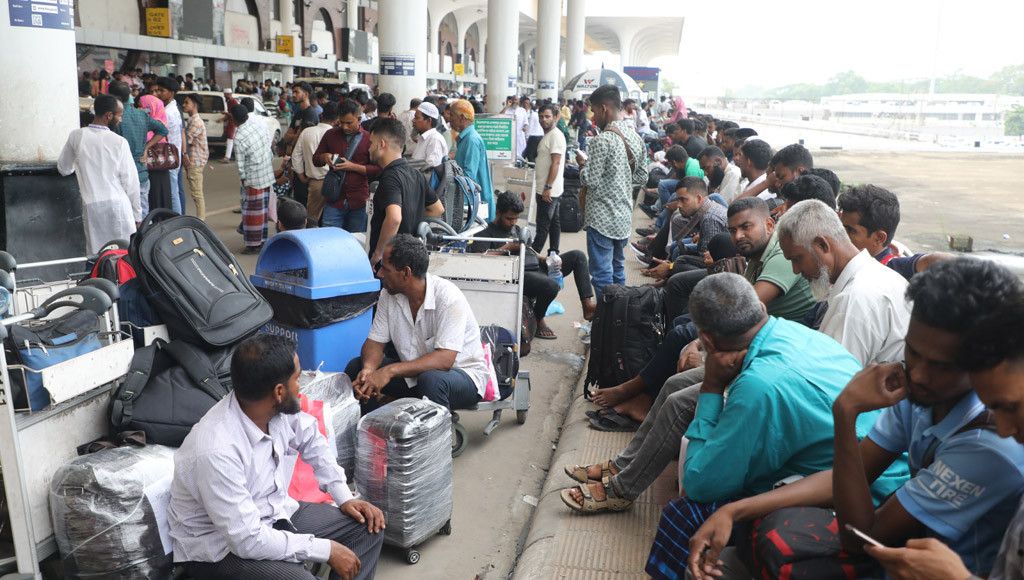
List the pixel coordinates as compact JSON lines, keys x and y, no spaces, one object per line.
{"x":227,"y":91}
{"x":428,"y":110}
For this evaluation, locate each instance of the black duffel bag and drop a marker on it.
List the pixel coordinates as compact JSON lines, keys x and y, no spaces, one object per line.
{"x":169,"y":387}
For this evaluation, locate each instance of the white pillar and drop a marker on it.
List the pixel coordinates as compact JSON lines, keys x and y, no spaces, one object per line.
{"x":353,"y":23}
{"x":286,"y":11}
{"x":403,"y":49}
{"x":575,"y":31}
{"x":34,"y":130}
{"x":502,"y":52}
{"x":481,"y":51}
{"x":549,"y":30}
{"x":186,"y":64}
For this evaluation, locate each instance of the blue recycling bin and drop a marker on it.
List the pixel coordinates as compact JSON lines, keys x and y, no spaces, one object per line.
{"x":323,"y":290}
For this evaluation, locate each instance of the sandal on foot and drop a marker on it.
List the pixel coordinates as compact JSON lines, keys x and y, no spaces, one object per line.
{"x":577,"y":473}
{"x":603,"y":412}
{"x":615,"y":423}
{"x":546,"y":334}
{"x":611,"y":503}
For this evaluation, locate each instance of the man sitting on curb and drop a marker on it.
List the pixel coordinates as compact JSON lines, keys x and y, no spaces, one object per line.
{"x":966,"y":481}
{"x":537,"y":285}
{"x":782,"y":378}
{"x":431,"y":328}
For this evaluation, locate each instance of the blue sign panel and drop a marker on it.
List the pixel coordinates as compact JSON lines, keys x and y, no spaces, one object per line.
{"x":55,"y":14}
{"x":398,"y":65}
{"x":642,"y":73}
{"x":545,"y":85}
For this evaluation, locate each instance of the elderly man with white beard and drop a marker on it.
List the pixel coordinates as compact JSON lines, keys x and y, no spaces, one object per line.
{"x":865,"y":307}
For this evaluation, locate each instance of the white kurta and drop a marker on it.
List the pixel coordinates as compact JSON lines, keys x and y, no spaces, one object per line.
{"x":109,"y":183}
{"x":522,"y":126}
{"x":431,"y":148}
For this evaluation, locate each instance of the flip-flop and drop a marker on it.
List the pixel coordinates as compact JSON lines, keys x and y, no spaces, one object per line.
{"x":546,"y":334}
{"x":615,"y":423}
{"x":605,"y":412}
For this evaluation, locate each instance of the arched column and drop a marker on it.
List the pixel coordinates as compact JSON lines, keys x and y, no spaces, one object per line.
{"x":575,"y":31}
{"x":502,"y":52}
{"x":549,"y":26}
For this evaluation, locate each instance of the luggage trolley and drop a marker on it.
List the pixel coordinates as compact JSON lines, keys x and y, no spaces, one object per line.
{"x":34,"y":444}
{"x":493,"y":285}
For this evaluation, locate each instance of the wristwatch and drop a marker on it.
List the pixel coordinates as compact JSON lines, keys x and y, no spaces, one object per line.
{"x":546,"y":187}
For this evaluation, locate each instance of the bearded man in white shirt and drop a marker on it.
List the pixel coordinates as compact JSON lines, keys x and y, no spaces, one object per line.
{"x":431,"y":146}
{"x":230,"y":514}
{"x":866,"y":310}
{"x":107,"y":179}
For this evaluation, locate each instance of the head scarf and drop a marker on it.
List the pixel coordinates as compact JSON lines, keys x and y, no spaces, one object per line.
{"x":155,"y":108}
{"x":680,"y":110}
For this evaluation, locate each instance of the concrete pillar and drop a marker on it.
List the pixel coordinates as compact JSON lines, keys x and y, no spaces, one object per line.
{"x":575,"y":31}
{"x":502,"y":52}
{"x":185,"y":65}
{"x":403,"y":49}
{"x":549,"y":25}
{"x":33,"y":130}
{"x":286,"y":11}
{"x":482,"y":53}
{"x":353,"y":23}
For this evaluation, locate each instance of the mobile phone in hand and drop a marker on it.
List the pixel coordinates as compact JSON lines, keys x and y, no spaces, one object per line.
{"x":864,"y":536}
{"x":337,"y":159}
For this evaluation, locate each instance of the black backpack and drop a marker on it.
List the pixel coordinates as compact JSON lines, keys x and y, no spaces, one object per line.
{"x":628,"y":327}
{"x":193,"y":283}
{"x":168,"y":389}
{"x":570,"y":215}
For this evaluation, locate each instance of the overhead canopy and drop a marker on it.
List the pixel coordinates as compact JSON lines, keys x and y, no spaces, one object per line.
{"x":583,"y":84}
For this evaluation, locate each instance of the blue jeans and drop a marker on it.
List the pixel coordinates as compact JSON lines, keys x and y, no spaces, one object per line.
{"x":666,"y":192}
{"x":176,"y":192}
{"x":453,"y":388}
{"x":607,"y":264}
{"x":181,"y":189}
{"x":351,"y":220}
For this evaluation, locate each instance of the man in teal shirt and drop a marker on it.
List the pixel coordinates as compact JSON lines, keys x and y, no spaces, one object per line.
{"x":471,"y":154}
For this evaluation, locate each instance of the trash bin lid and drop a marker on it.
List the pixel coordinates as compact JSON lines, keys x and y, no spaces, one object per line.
{"x":315,"y":263}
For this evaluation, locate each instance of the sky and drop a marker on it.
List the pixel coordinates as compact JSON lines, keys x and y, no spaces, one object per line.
{"x":737,"y":42}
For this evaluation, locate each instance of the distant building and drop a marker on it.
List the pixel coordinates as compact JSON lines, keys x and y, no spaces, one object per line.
{"x":951,"y":109}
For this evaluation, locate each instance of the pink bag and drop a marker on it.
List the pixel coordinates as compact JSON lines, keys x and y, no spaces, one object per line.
{"x":304,"y":486}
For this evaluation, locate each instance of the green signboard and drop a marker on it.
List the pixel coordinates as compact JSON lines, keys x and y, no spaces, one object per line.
{"x":496,"y":131}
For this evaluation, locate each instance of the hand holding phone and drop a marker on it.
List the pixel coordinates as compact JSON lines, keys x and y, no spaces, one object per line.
{"x":864,"y":536}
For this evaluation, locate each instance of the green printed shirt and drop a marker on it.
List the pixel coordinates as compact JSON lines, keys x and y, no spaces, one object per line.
{"x":609,"y":183}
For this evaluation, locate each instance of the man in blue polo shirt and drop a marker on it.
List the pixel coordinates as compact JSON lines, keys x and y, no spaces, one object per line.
{"x":967,"y":481}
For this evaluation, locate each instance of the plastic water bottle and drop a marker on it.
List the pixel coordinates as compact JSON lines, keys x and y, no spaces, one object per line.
{"x":555,"y":269}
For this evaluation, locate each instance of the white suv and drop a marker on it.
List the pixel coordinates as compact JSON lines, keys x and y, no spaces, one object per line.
{"x":212,"y":107}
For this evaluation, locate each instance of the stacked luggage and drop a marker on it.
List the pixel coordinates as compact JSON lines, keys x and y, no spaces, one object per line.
{"x":404,"y":467}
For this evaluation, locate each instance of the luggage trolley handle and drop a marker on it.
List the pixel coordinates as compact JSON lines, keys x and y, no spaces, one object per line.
{"x":89,"y":298}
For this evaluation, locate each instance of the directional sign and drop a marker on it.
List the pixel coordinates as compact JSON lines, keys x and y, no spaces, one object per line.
{"x":460,"y":69}
{"x":56,"y":14}
{"x":496,"y":131}
{"x":313,"y":48}
{"x":158,"y":22}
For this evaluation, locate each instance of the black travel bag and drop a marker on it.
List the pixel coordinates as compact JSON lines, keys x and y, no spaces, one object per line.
{"x":570,"y":215}
{"x":628,"y":326}
{"x":193,"y":282}
{"x":168,"y":389}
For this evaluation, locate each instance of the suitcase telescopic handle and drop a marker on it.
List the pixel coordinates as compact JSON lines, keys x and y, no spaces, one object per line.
{"x":81,"y":297}
{"x":106,"y":286}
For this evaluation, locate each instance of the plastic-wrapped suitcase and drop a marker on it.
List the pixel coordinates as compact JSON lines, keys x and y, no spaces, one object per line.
{"x":335,"y":390}
{"x":404,"y":467}
{"x":104,"y":508}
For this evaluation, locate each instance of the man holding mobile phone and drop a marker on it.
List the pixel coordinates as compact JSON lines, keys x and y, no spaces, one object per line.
{"x":346,"y":148}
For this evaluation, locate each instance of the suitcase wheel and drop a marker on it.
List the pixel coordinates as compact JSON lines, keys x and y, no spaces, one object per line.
{"x":412,"y":556}
{"x":521,"y":417}
{"x":446,"y":529}
{"x":460,"y":439}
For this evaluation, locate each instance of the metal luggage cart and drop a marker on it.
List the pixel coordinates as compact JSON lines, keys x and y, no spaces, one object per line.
{"x":33,"y":445}
{"x":493,"y":285}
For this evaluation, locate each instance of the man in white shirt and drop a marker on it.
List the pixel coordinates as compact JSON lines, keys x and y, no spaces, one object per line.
{"x":866,"y":308}
{"x":723,"y":178}
{"x":406,"y":118}
{"x":549,"y":180}
{"x":534,"y":132}
{"x":107,"y":179}
{"x":522,"y":126}
{"x":302,"y":160}
{"x":230,"y":514}
{"x":753,"y":159}
{"x":165,"y":89}
{"x":431,"y":146}
{"x":432,"y":328}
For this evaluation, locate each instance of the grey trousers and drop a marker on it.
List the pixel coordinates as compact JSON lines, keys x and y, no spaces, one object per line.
{"x":657,"y":441}
{"x":321,"y":520}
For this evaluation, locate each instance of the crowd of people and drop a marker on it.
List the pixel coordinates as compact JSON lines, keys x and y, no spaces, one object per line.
{"x":818,"y":382}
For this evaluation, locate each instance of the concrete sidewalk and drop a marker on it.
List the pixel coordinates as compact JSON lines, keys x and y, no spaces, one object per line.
{"x":565,"y":544}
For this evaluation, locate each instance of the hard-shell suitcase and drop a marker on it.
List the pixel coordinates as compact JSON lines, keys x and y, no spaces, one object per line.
{"x":404,"y":467}
{"x":194,"y":283}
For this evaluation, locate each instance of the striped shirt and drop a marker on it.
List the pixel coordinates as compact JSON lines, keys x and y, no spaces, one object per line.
{"x":231,"y":485}
{"x":255,"y":161}
{"x":198,"y":151}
